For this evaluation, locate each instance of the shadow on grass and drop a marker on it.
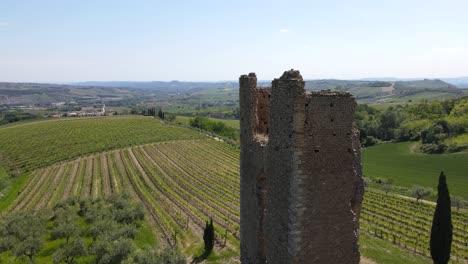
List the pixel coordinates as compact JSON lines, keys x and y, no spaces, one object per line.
{"x":201,"y":258}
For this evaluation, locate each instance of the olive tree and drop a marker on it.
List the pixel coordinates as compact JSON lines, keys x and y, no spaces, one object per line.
{"x":420,"y":192}
{"x":23,"y":233}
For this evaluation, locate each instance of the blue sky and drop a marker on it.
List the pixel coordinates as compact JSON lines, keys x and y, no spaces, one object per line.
{"x":66,"y":41}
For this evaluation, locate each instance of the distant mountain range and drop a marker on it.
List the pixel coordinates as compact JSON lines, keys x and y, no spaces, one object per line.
{"x":372,"y":90}
{"x":41,"y":93}
{"x":390,"y":91}
{"x":460,"y":82}
{"x":375,"y":90}
{"x":181,"y":86}
{"x":170,"y":87}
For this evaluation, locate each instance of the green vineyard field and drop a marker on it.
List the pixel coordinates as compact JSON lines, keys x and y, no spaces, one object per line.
{"x":183,"y":183}
{"x":407,"y":223}
{"x":25,"y":147}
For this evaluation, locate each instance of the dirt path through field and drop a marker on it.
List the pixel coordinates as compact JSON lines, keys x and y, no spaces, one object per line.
{"x":88,"y":178}
{"x":51,"y":188}
{"x":113,"y":174}
{"x":365,"y":260}
{"x":97,"y":177}
{"x":79,"y":178}
{"x":21,"y":202}
{"x":39,"y":191}
{"x":106,"y":188}
{"x":71,"y":180}
{"x":59,"y":188}
{"x":414,"y":199}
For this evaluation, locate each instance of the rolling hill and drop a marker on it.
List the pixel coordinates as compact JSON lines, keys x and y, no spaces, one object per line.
{"x":391,"y":92}
{"x":43,"y":94}
{"x":211,"y":96}
{"x":37,"y":144}
{"x":399,"y":162}
{"x":160,"y":86}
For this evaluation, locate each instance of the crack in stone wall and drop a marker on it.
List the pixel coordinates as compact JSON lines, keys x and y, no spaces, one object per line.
{"x":301,"y":179}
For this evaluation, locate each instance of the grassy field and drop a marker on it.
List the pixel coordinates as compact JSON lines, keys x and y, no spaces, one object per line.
{"x":397,"y":161}
{"x":234,"y":123}
{"x":382,"y":107}
{"x":382,"y":252}
{"x":434,"y":95}
{"x":30,"y":145}
{"x":460,"y":140}
{"x":204,"y":101}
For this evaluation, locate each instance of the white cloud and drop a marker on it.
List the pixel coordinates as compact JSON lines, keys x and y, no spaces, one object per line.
{"x":284,"y":30}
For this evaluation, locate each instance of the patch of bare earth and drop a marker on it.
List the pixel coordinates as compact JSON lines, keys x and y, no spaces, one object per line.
{"x":74,"y":171}
{"x":106,"y":188}
{"x":89,"y":178}
{"x":389,"y":89}
{"x":365,"y":260}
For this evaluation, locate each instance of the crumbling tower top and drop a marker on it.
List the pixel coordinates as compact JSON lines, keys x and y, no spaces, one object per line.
{"x":291,"y":75}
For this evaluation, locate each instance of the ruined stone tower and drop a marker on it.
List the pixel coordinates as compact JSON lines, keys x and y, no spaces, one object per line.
{"x":301,"y":184}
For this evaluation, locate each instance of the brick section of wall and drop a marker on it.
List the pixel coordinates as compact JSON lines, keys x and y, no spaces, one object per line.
{"x":301,"y":185}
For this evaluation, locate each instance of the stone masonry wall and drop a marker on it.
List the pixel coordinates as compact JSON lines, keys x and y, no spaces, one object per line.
{"x":301,"y":184}
{"x":254,"y":121}
{"x":327,"y":228}
{"x":280,"y":164}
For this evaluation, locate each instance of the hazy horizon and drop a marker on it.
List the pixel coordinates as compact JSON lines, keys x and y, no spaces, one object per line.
{"x":390,"y":79}
{"x":66,"y":42}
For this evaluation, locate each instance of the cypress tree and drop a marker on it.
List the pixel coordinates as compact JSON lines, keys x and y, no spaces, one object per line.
{"x":208,"y":236}
{"x":441,"y":233}
{"x":160,"y":113}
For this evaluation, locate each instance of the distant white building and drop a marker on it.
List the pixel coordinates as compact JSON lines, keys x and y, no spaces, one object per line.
{"x":102,"y":112}
{"x":58,"y":104}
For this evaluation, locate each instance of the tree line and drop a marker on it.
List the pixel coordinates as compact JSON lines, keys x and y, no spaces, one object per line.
{"x":431,"y":123}
{"x":160,"y":114}
{"x":7,"y":117}
{"x":217,"y":127}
